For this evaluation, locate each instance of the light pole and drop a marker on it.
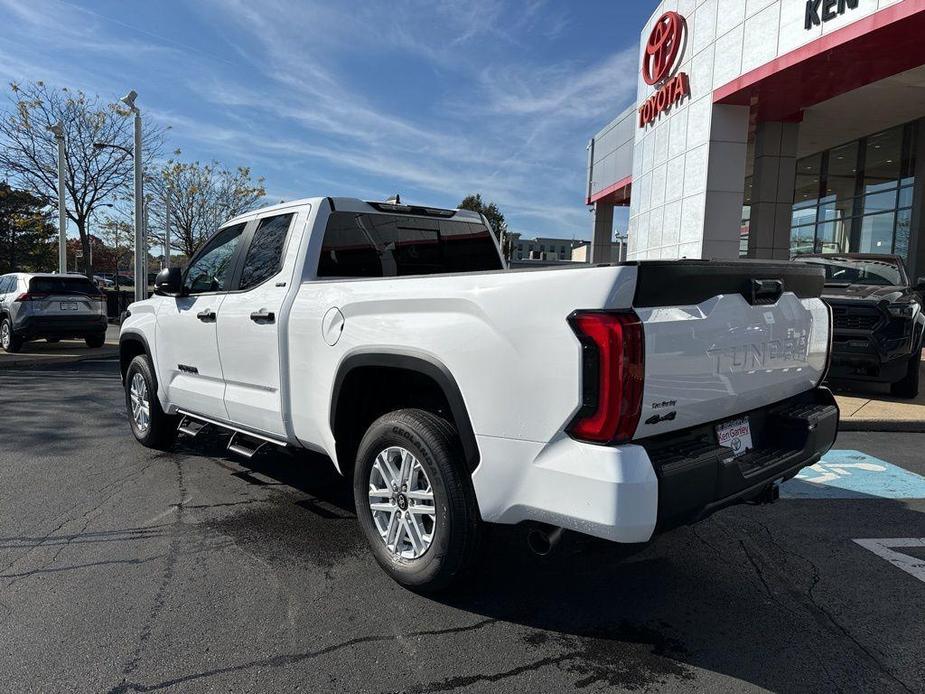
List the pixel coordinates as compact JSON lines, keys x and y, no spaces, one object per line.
{"x":58,"y":131}
{"x":167,"y":212}
{"x":141,"y":251}
{"x":138,"y":218}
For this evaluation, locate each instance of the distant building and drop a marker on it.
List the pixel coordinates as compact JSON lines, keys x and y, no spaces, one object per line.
{"x":582,"y":254}
{"x":544,"y":248}
{"x":617,"y":252}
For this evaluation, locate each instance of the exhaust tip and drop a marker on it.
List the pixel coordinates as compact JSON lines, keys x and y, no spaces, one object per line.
{"x":542,"y":542}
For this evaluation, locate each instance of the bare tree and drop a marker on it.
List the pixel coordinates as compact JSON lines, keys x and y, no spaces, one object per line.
{"x":202,"y":196}
{"x":29,"y":153}
{"x":119,"y":235}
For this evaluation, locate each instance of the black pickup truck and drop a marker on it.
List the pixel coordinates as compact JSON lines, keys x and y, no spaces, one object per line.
{"x":877,"y":319}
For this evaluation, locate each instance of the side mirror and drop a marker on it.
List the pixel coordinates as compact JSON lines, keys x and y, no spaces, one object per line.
{"x":169,"y":282}
{"x":920,"y":284}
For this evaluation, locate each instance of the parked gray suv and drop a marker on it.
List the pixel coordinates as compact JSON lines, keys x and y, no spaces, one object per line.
{"x":50,"y":306}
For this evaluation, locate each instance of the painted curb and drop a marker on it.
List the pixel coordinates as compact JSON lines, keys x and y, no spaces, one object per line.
{"x":28,"y":363}
{"x":916,"y":426}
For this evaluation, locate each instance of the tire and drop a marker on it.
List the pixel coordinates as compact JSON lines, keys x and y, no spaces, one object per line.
{"x":908,"y":385}
{"x":95,"y":341}
{"x":9,"y":340}
{"x":158,"y":430}
{"x":455,"y":525}
{"x":52,"y":340}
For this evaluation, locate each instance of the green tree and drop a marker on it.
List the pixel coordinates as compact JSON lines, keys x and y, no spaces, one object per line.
{"x":202,"y":197}
{"x":29,"y":152}
{"x":495,"y":220}
{"x":27,"y":236}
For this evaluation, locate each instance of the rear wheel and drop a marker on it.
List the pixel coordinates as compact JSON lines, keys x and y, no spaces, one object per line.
{"x":95,"y":341}
{"x":908,"y":385}
{"x":414,"y":499}
{"x":150,"y":424}
{"x":9,"y":340}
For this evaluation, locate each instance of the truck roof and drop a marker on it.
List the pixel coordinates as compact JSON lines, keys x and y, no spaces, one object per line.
{"x":356,"y":205}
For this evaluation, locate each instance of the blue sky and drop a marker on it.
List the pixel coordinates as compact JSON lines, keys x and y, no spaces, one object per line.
{"x":360,"y":98}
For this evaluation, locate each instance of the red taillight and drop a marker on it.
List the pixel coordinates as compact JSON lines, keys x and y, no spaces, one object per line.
{"x":612,"y":376}
{"x":30,"y":296}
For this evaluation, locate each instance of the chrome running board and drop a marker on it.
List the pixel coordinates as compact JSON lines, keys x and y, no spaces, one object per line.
{"x":190,"y":426}
{"x":243,"y":442}
{"x":245,"y":445}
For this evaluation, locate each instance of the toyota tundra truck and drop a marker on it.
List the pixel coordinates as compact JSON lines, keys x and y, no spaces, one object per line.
{"x":615,"y":400}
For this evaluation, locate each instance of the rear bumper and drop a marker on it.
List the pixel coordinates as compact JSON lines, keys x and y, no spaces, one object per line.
{"x":32,"y":327}
{"x":697,"y":476}
{"x":629,"y":493}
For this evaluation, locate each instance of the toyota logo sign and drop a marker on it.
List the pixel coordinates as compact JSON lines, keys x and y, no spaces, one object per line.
{"x":658,"y":60}
{"x":663,"y":47}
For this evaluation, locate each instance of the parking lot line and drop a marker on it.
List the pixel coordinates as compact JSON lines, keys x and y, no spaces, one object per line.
{"x":886,"y":549}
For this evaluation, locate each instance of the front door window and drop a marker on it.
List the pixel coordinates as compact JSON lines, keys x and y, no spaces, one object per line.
{"x":210,"y":270}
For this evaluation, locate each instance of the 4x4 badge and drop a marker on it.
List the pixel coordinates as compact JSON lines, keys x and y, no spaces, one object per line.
{"x":656,"y":418}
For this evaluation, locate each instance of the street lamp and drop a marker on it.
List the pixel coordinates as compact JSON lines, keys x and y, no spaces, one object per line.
{"x":58,"y":131}
{"x":141,"y":253}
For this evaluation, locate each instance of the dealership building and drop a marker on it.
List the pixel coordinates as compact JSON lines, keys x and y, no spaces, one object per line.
{"x":765,"y":128}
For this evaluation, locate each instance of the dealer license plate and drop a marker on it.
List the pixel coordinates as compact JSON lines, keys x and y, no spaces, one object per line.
{"x":68,"y":305}
{"x":735,"y":435}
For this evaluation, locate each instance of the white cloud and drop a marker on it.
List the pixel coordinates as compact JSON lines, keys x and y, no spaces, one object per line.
{"x":290,"y":94}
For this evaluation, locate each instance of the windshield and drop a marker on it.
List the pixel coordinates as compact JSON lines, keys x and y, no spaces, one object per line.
{"x":848,"y":271}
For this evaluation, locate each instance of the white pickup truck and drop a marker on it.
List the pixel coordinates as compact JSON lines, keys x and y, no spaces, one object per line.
{"x":616,"y":401}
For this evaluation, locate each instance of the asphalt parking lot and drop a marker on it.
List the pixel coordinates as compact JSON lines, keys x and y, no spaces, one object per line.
{"x":128,"y":570}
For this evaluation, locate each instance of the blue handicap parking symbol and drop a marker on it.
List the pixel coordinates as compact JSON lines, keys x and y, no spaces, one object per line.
{"x":854,"y":475}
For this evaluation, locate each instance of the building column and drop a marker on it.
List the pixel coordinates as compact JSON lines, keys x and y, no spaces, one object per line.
{"x":916,"y":261}
{"x":602,"y":240}
{"x":727,"y":151}
{"x":773,"y":181}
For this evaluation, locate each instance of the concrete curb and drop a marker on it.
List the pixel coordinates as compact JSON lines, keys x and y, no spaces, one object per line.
{"x":902,"y":425}
{"x":30,"y":361}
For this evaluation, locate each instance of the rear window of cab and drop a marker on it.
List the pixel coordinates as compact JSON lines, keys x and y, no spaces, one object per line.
{"x":388,"y":245}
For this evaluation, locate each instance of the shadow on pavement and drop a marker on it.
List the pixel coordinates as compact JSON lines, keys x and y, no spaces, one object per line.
{"x":754,"y":593}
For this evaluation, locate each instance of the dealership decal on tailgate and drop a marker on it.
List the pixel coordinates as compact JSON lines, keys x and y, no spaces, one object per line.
{"x":736,"y":435}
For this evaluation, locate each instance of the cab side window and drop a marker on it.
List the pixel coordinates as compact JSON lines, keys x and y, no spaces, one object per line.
{"x":265,"y":255}
{"x":209,"y":271}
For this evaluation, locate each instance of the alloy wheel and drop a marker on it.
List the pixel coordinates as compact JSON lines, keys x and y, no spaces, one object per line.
{"x":401,"y":499}
{"x":141,"y":406}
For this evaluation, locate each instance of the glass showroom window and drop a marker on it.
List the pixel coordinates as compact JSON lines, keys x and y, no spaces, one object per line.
{"x":856,"y":197}
{"x":746,"y":222}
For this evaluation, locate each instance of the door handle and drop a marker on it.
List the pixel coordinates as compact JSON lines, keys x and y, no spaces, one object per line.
{"x":207,"y":316}
{"x":263,"y":316}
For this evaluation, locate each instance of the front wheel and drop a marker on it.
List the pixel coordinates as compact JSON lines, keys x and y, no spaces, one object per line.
{"x":9,"y":340}
{"x":908,"y":385}
{"x":415,"y":501}
{"x":150,"y":424}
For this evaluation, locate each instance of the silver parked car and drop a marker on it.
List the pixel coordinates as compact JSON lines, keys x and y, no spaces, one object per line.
{"x":50,"y":306}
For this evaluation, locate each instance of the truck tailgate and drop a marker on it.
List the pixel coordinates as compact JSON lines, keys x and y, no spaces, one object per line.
{"x":726,"y":337}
